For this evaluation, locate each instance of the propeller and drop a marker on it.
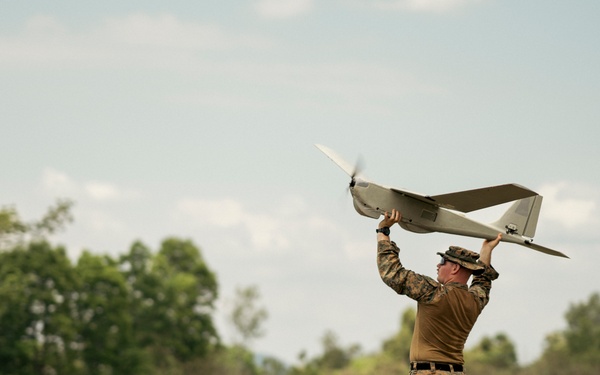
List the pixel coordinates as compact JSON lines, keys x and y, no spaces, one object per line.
{"x":352,"y":170}
{"x":358,"y":168}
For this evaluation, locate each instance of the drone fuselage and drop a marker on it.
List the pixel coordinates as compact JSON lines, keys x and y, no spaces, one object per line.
{"x":373,"y":200}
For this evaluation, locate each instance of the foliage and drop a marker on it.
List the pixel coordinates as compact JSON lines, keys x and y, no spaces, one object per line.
{"x":38,"y":314}
{"x":151,"y":313}
{"x":576,"y":350}
{"x":143,"y":313}
{"x":14,"y":232}
{"x":246,"y":317}
{"x":492,"y":355}
{"x":333,"y":359}
{"x":172,"y":298}
{"x":398,"y":346}
{"x":234,"y":360}
{"x":103,"y":311}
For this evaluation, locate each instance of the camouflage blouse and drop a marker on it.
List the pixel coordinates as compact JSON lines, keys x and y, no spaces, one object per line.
{"x":420,"y":287}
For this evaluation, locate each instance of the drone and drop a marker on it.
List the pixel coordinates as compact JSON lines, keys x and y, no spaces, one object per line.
{"x":445,"y":213}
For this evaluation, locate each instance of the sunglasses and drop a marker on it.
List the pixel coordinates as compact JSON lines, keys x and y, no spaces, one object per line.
{"x":444,"y":260}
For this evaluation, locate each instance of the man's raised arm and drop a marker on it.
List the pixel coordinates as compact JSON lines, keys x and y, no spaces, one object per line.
{"x":486,"y":249}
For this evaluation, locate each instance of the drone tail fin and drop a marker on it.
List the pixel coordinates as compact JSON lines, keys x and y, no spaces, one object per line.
{"x":522,"y":216}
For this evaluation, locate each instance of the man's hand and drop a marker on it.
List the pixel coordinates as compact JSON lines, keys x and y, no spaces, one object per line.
{"x":389,"y":220}
{"x":491,"y":244}
{"x":487,"y":247}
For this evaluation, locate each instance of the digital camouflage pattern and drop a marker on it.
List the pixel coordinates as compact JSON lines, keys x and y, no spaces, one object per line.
{"x":420,"y":287}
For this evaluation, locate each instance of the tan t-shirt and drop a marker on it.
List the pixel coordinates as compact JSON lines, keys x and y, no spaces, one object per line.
{"x":443,"y":325}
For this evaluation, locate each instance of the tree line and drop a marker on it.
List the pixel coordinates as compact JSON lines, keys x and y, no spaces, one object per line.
{"x":151,"y":312}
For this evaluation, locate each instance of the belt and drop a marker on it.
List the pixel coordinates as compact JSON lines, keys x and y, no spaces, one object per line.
{"x":436,"y":366}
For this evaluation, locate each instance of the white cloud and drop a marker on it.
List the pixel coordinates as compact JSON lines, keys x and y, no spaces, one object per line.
{"x":167,"y":31}
{"x":57,"y":182}
{"x":135,"y":39}
{"x":102,"y":222}
{"x":283,"y":8}
{"x":44,"y":25}
{"x":104,"y":191}
{"x":101,"y":210}
{"x":282,"y":227}
{"x":169,"y":43}
{"x":264,"y":231}
{"x":431,"y":6}
{"x":570,"y":205}
{"x":221,"y":213}
{"x":101,"y":191}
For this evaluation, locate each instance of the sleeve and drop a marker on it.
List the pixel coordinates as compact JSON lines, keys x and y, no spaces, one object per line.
{"x":401,"y":280}
{"x":482,"y":284}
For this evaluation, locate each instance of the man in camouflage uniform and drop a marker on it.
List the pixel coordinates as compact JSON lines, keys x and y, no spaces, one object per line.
{"x":447,"y":308}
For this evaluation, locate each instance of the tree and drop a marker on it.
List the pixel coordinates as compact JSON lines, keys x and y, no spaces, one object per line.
{"x":105,"y":325}
{"x":272,"y":366}
{"x":15,"y":232}
{"x":172,"y":298}
{"x":334,"y":356}
{"x":492,"y":355}
{"x":394,"y":356}
{"x":101,"y":316}
{"x":38,"y":290}
{"x":246,"y":317}
{"x":398,"y":345}
{"x":575,"y":350}
{"x":583,"y":332}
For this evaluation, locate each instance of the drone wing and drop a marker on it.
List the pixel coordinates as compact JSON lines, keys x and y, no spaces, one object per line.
{"x":472,"y":200}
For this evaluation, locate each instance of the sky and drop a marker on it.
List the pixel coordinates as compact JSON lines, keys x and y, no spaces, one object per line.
{"x":199,"y":119}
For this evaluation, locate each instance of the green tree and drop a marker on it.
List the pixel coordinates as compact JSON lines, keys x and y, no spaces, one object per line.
{"x":334,"y":356}
{"x":144,"y":287}
{"x":576,"y":350}
{"x":398,"y":345}
{"x":107,"y":341}
{"x":394,"y":356}
{"x":492,"y":355}
{"x":14,"y":231}
{"x":583,"y":331}
{"x":272,"y":366}
{"x":38,"y":290}
{"x":143,"y":313}
{"x":173,"y":294}
{"x":246,"y":317}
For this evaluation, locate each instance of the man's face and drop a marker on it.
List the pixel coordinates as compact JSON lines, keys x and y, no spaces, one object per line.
{"x":443,"y":270}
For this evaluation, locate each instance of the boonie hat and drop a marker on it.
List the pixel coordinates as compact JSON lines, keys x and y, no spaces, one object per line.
{"x":466,"y":258}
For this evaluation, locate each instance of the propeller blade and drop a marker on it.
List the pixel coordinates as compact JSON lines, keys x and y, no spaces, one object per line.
{"x":346,"y":167}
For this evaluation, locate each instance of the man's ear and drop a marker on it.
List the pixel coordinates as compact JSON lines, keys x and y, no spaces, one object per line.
{"x":455,"y":269}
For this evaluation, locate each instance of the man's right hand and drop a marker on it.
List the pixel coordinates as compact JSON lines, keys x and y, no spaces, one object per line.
{"x":390,"y":219}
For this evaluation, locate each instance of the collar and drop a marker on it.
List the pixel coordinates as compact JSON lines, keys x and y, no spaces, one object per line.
{"x":455,"y":284}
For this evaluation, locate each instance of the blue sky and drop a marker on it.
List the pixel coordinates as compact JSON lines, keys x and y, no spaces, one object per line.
{"x":198,"y":120}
